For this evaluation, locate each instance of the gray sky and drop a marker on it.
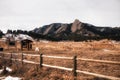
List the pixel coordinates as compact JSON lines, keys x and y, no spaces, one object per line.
{"x":29,"y":14}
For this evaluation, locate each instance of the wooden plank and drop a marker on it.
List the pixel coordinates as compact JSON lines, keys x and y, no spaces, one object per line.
{"x":31,"y":62}
{"x":25,"y":54}
{"x":60,"y":57}
{"x":83,"y":59}
{"x":98,"y":75}
{"x":11,"y":59}
{"x":22,"y":57}
{"x":31,"y":55}
{"x":58,"y":67}
{"x":16,"y":53}
{"x":100,"y":61}
{"x":16,"y":59}
{"x":8,"y":53}
{"x":26,"y":61}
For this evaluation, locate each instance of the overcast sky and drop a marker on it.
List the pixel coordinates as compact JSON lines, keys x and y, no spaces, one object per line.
{"x":29,"y":14}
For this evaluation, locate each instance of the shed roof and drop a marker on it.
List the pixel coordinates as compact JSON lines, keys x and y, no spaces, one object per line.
{"x":19,"y":37}
{"x":22,"y":37}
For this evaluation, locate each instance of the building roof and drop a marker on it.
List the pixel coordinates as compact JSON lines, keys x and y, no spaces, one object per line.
{"x":19,"y":37}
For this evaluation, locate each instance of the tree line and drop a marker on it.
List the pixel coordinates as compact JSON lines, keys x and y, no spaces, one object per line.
{"x":72,"y":37}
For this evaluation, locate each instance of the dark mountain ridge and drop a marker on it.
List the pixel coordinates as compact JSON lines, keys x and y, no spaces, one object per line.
{"x":77,"y":31}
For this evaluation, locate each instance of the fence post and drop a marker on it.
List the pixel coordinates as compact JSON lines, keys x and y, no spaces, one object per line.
{"x":4,"y":69}
{"x":22,"y":59}
{"x":11,"y":59}
{"x":74,"y":67}
{"x":3,"y":56}
{"x":3,"y":60}
{"x":41,"y":60}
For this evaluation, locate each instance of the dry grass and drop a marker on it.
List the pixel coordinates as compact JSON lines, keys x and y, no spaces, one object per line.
{"x":103,"y":50}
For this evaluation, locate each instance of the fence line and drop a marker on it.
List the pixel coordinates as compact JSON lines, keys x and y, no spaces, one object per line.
{"x":74,"y":69}
{"x":82,"y":59}
{"x":100,"y":61}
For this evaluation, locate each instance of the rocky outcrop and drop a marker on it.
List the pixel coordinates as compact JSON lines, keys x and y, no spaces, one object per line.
{"x":77,"y":25}
{"x":76,"y":29}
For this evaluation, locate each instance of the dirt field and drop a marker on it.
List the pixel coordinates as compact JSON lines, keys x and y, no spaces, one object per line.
{"x":101,"y":50}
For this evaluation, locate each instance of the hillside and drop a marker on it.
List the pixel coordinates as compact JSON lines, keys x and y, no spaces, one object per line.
{"x":77,"y":31}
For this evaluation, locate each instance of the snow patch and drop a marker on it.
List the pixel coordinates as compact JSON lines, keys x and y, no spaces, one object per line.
{"x":19,"y":37}
{"x":23,"y":37}
{"x":12,"y":78}
{"x":8,"y":77}
{"x":7,"y":68}
{"x":1,"y":71}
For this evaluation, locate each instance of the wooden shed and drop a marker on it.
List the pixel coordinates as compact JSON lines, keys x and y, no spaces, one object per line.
{"x":26,"y":43}
{"x":18,"y":42}
{"x":8,"y":42}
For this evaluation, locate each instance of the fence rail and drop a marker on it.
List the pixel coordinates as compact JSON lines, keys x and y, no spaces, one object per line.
{"x":31,"y":62}
{"x":74,"y":69}
{"x":59,"y":57}
{"x":58,"y":67}
{"x":62,"y":57}
{"x":98,"y":75}
{"x":100,"y":61}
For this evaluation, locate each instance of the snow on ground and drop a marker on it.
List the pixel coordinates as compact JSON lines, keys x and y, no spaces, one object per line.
{"x":12,"y":78}
{"x":8,"y":77}
{"x":7,"y":68}
{"x":1,"y":71}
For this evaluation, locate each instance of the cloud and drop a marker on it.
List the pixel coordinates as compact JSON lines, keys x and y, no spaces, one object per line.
{"x":35,"y":13}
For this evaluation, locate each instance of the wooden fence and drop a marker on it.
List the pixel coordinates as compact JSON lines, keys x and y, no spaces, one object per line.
{"x":74,"y":58}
